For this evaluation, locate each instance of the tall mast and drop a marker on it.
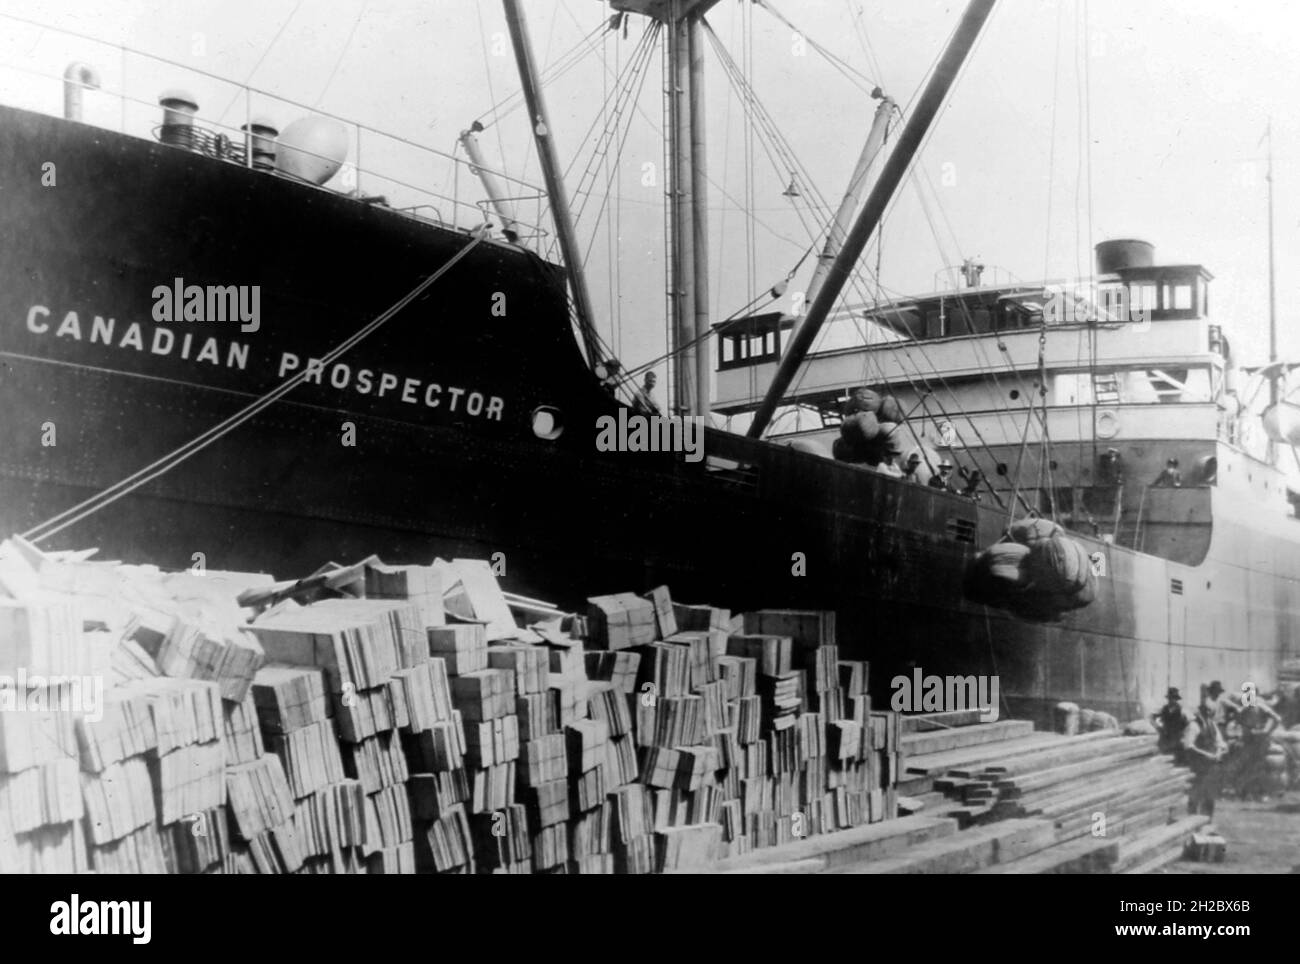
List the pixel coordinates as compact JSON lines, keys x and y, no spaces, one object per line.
{"x":552,"y":173}
{"x":681,"y":185}
{"x":687,"y":191}
{"x":890,"y":177}
{"x":699,"y":217}
{"x":1272,"y":296}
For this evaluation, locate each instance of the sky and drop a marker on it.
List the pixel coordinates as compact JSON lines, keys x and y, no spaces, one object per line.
{"x":1074,"y":121}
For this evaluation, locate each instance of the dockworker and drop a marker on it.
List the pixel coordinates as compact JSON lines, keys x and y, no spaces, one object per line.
{"x":1257,"y":721}
{"x":1171,"y":723}
{"x":1204,"y":748}
{"x":1225,"y":708}
{"x":1170,"y":477}
{"x":941,"y":479}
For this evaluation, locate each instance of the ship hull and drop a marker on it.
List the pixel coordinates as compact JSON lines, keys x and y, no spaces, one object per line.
{"x":336,"y":473}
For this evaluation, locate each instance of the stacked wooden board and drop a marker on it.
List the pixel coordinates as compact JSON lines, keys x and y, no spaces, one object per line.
{"x":1001,"y":798}
{"x":376,"y":718}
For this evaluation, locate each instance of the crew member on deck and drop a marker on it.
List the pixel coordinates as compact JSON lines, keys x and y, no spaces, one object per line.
{"x":1170,"y":477}
{"x":1204,"y":749}
{"x":644,"y":401}
{"x":942,"y":478}
{"x":1112,"y":467}
{"x":1171,"y":723}
{"x":910,"y":466}
{"x":973,"y":479}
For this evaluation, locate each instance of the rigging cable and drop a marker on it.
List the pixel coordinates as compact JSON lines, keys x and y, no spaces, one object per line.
{"x":855,"y":76}
{"x":343,"y":53}
{"x":265,"y":52}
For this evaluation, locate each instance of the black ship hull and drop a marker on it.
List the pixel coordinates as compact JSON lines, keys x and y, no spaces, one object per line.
{"x":444,"y":459}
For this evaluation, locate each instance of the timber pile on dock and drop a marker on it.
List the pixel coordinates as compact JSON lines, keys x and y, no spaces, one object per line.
{"x":1001,"y":798}
{"x":399,"y":719}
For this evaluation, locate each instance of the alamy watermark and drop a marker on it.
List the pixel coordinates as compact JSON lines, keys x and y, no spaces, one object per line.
{"x":651,"y":433}
{"x":919,"y":693}
{"x":35,"y":693}
{"x":1086,"y":301}
{"x":181,"y":302}
{"x":76,"y":917}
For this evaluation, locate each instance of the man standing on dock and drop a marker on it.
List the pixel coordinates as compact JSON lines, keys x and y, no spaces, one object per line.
{"x":1204,"y":749}
{"x":1257,"y":721}
{"x":1171,"y":723}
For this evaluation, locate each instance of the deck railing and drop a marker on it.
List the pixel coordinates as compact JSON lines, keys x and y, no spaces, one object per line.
{"x":414,"y":179}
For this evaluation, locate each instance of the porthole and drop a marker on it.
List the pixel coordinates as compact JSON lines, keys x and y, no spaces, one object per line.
{"x":548,"y":424}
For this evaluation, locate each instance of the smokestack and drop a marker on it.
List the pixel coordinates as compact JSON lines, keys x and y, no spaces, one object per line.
{"x":1121,"y":253}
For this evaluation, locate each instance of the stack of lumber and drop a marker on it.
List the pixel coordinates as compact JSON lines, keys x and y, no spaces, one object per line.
{"x":1016,"y":801}
{"x":389,"y":719}
{"x":1001,"y":798}
{"x":41,"y":807}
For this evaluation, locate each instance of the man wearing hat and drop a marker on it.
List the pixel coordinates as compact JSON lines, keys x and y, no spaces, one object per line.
{"x":1204,"y":748}
{"x":1170,"y":477}
{"x":1171,"y":723}
{"x":940,"y":480}
{"x":911,"y":465}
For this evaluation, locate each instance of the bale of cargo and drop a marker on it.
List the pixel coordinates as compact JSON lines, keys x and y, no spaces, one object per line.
{"x":890,"y":439}
{"x":861,"y":427}
{"x":997,"y":574}
{"x":1139,"y":727}
{"x":1029,"y":532}
{"x":1059,"y":565}
{"x":1090,"y":721}
{"x":852,"y":452}
{"x":1065,"y":715}
{"x":890,"y":410}
{"x":862,"y":400}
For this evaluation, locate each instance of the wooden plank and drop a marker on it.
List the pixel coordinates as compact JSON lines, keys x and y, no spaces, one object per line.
{"x":1152,"y":843}
{"x":914,"y":744}
{"x":937,"y":764}
{"x":870,"y":842}
{"x":928,"y":722}
{"x":1022,"y":784}
{"x":967,"y":851}
{"x":1089,"y":855}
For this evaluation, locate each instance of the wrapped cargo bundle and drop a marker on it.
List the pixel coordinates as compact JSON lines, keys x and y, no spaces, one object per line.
{"x":871,"y":429}
{"x":1038,"y":572}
